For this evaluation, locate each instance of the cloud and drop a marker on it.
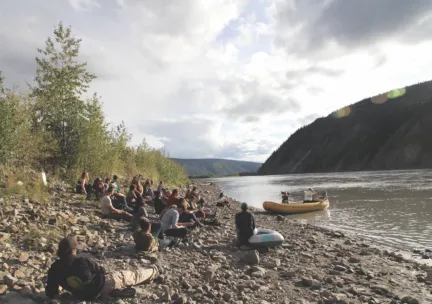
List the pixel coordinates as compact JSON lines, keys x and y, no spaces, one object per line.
{"x":332,"y":27}
{"x":226,"y":78}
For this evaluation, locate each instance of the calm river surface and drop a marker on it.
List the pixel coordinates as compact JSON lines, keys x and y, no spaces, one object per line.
{"x":392,"y":207}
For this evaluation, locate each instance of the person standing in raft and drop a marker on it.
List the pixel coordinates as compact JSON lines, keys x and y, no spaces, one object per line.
{"x":87,"y":280}
{"x":245,"y":225}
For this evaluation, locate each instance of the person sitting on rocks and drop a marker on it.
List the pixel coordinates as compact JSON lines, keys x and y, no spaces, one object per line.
{"x":87,"y":280}
{"x":169,"y":220}
{"x":193,"y":197}
{"x":147,"y":189}
{"x":139,"y":189}
{"x":83,"y":186}
{"x":245,"y":225}
{"x":138,"y":212}
{"x":131,"y":196}
{"x":160,"y":187}
{"x":187,"y":215}
{"x":144,"y":240}
{"x":158,"y":203}
{"x":109,"y":211}
{"x":119,"y":199}
{"x":98,"y":188}
{"x":172,"y":199}
{"x":107,"y":182}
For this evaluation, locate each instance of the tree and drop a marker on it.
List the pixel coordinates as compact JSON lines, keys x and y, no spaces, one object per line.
{"x":7,"y":126}
{"x":94,"y":147}
{"x":60,"y":81}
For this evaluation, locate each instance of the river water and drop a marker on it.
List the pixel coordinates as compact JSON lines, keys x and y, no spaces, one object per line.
{"x":394,"y":208}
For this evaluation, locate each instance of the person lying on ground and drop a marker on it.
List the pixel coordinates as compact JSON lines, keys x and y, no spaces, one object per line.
{"x":144,"y":240}
{"x":186,"y":215}
{"x":108,"y":209}
{"x":245,"y":225}
{"x":87,"y":280}
{"x":83,"y":186}
{"x":170,"y":223}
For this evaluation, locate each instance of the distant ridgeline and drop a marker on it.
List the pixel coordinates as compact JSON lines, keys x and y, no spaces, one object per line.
{"x":214,"y":167}
{"x":389,"y":131}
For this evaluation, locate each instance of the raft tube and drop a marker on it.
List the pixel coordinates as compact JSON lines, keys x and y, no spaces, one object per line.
{"x":293,"y":208}
{"x":266,"y":238}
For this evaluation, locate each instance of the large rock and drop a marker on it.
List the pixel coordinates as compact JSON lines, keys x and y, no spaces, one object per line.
{"x":15,"y":298}
{"x":251,"y":257}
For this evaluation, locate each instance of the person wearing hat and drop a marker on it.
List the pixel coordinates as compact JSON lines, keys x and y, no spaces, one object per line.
{"x":245,"y":225}
{"x":87,"y":280}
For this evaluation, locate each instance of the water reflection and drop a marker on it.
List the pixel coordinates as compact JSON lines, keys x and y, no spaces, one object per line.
{"x":391,"y":207}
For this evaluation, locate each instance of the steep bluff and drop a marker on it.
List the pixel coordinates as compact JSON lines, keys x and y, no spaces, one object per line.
{"x":379,"y":133}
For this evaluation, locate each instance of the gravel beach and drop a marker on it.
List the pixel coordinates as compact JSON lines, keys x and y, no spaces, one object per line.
{"x":314,"y":265}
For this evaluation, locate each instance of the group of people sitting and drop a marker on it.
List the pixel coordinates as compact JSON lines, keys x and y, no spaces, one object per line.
{"x":87,"y":280}
{"x":175,"y":214}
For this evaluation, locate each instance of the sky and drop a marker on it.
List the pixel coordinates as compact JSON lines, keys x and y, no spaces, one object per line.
{"x":226,"y":78}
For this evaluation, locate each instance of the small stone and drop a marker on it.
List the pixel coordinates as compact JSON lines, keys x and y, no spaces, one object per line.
{"x":10,"y":280}
{"x":52,"y":221}
{"x":3,"y":289}
{"x":226,"y":296}
{"x":251,"y":257}
{"x":340,"y":268}
{"x":307,"y":281}
{"x":354,"y":260}
{"x":24,"y":256}
{"x":280,"y":218}
{"x":4,"y":236}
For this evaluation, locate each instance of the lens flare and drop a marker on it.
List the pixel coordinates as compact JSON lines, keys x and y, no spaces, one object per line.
{"x":342,"y":112}
{"x":396,"y":93}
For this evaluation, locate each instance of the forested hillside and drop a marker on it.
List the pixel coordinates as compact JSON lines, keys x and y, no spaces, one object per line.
{"x":216,"y":166}
{"x":389,"y":131}
{"x":55,"y":127}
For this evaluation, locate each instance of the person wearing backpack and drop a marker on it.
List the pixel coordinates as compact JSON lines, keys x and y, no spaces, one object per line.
{"x":87,"y":280}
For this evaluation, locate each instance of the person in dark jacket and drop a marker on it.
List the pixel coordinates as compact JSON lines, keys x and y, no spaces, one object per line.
{"x":84,"y":278}
{"x":245,"y":225}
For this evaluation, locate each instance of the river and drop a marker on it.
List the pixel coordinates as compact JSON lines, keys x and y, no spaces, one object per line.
{"x":394,"y":208}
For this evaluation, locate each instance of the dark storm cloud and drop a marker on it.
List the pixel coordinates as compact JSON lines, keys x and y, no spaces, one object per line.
{"x":315,"y":26}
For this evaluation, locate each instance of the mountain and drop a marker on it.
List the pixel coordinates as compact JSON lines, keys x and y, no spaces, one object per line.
{"x":204,"y":167}
{"x":385,"y":132}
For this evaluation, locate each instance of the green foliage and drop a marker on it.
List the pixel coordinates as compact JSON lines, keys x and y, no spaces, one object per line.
{"x":60,"y":81}
{"x":57,"y":129}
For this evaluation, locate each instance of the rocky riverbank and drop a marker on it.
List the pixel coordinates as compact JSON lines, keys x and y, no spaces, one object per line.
{"x":313,"y":265}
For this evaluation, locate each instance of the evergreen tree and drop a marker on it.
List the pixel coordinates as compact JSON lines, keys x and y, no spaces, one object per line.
{"x":60,"y":81}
